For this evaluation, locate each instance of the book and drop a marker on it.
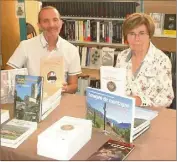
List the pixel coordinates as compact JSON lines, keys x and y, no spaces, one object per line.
{"x":107,"y":55}
{"x":170,"y":25}
{"x":112,"y":150}
{"x":14,"y":132}
{"x":4,"y":115}
{"x":28,"y":97}
{"x":145,"y":113}
{"x":95,"y":58}
{"x":139,"y":125}
{"x":111,"y":114}
{"x":52,"y":69}
{"x":158,"y":19}
{"x":8,"y":84}
{"x":142,"y":121}
{"x":140,"y":132}
{"x":117,"y":114}
{"x":113,"y":79}
{"x":63,"y":139}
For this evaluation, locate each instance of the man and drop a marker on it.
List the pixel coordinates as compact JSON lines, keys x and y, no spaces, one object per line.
{"x":49,"y":43}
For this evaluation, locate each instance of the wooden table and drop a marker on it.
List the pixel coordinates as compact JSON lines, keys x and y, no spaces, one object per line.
{"x":157,"y":143}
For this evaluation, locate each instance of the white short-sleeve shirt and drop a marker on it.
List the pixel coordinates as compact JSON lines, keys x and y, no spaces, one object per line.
{"x":29,"y":53}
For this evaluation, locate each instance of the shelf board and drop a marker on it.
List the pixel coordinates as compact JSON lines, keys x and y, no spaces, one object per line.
{"x":87,"y":67}
{"x":164,"y":36}
{"x":92,"y":18}
{"x":115,"y":45}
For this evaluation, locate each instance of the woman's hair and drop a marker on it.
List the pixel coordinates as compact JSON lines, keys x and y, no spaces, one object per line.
{"x":135,"y":20}
{"x":30,"y":29}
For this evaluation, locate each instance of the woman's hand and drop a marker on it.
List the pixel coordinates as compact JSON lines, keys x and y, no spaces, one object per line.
{"x":137,"y":100}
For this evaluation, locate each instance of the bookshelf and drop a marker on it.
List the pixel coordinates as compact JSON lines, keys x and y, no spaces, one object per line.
{"x":165,"y":43}
{"x":96,"y":17}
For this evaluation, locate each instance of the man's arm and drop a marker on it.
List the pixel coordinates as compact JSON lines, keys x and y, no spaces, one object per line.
{"x":71,"y":86}
{"x":7,"y":67}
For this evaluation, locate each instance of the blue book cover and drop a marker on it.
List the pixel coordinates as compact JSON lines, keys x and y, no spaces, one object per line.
{"x":28,"y":97}
{"x":111,"y":113}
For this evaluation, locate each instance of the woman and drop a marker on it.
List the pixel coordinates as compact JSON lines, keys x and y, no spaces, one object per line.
{"x":149,"y":78}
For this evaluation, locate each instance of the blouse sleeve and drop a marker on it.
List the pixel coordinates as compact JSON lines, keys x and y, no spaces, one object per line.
{"x":164,"y":87}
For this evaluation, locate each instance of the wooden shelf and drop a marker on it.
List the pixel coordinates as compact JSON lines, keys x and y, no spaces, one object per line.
{"x":91,"y":18}
{"x":113,"y":45}
{"x":93,"y":73}
{"x":165,"y":36}
{"x":86,"y":67}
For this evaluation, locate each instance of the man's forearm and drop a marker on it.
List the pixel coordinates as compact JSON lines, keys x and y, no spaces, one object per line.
{"x":7,"y":67}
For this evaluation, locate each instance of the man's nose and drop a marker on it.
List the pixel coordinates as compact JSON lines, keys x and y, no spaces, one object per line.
{"x":51,"y":23}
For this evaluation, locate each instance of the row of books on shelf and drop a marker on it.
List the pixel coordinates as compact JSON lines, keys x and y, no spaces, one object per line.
{"x":165,"y":24}
{"x":93,"y":57}
{"x":94,"y":9}
{"x":92,"y":31}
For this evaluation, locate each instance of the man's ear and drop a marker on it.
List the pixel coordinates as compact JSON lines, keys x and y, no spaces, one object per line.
{"x":39,"y":26}
{"x":61,"y":24}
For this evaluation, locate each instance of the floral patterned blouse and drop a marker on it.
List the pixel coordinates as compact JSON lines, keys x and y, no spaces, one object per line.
{"x":152,"y":82}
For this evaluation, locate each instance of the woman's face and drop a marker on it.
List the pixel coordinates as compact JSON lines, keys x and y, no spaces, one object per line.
{"x":138,"y":38}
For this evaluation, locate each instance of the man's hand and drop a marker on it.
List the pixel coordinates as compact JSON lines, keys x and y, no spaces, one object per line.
{"x":71,"y":85}
{"x":65,"y":87}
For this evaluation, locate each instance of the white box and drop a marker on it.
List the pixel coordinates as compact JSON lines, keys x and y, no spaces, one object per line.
{"x":64,"y":138}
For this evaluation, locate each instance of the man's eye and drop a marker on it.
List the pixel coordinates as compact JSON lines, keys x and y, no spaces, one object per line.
{"x":55,"y":20}
{"x":45,"y":21}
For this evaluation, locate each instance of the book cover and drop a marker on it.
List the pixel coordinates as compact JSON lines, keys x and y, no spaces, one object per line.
{"x":107,"y":55}
{"x":110,"y":113}
{"x":170,"y":25}
{"x":112,"y":150}
{"x":8,"y":84}
{"x":52,"y":69}
{"x":28,"y":97}
{"x":158,"y":21}
{"x":95,"y":58}
{"x":113,"y":79}
{"x":14,"y":132}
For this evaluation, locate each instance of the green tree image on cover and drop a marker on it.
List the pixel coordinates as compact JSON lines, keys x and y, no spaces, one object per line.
{"x":12,"y":132}
{"x":28,"y":97}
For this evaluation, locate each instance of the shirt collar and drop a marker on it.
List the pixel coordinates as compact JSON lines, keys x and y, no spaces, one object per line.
{"x":45,"y":43}
{"x":148,"y":56}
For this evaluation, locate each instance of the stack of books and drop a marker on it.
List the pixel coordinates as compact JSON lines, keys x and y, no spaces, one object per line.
{"x":16,"y":131}
{"x":65,"y":138}
{"x":117,"y":117}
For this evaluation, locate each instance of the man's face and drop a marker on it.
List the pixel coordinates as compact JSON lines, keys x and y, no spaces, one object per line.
{"x":50,"y":23}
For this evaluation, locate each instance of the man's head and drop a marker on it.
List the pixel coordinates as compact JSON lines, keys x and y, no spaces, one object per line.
{"x":49,"y":21}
